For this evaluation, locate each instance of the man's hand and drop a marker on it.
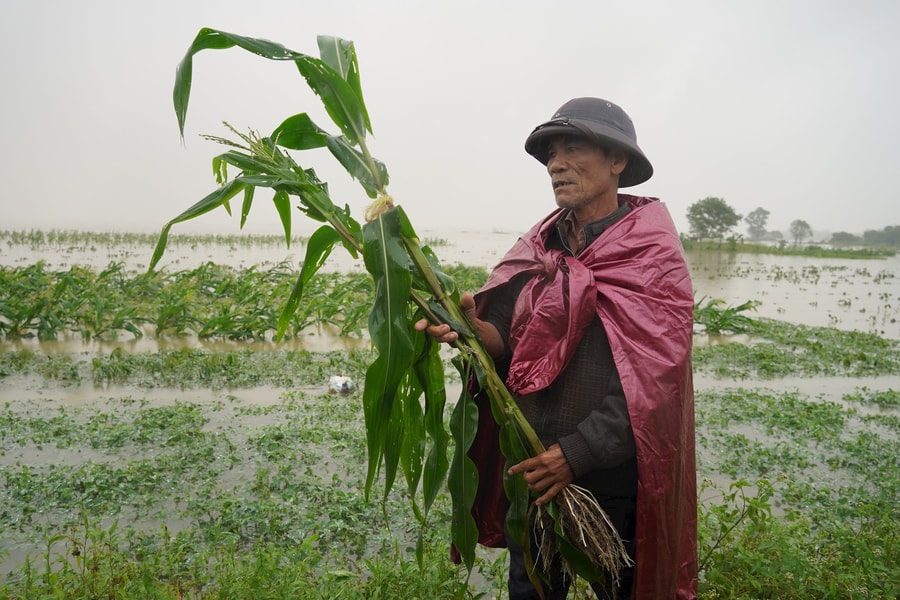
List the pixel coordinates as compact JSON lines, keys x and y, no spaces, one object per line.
{"x":548,"y":472}
{"x":442,"y":332}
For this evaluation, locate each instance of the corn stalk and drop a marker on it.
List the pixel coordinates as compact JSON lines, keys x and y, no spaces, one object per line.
{"x":409,"y":283}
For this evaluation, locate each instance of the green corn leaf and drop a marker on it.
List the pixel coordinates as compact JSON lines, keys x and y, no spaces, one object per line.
{"x":247,"y":204}
{"x":447,"y":318}
{"x":318,"y":248}
{"x":463,"y":475}
{"x":259,"y":180}
{"x":412,"y":449}
{"x":211,"y":39}
{"x":299,"y":133}
{"x":218,"y":198}
{"x":389,"y":328}
{"x":373,"y":177}
{"x":341,"y":101}
{"x":429,"y":369}
{"x":246,"y":163}
{"x":394,"y":443}
{"x":518,"y":520}
{"x":340,"y":55}
{"x":220,"y":170}
{"x":283,"y":205}
{"x":447,"y":281}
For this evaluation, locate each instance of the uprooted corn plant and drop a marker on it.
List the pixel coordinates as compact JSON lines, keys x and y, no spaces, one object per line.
{"x":409,"y":284}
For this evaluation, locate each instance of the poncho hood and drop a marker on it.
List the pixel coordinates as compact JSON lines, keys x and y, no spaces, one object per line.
{"x":635,"y":279}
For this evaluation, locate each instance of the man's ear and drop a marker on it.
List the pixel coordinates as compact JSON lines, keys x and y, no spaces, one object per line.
{"x":619,"y":160}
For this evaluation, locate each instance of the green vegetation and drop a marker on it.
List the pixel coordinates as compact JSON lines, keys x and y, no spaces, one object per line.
{"x":66,"y":239}
{"x":223,"y":499}
{"x":157,"y":493}
{"x":811,"y":251}
{"x":209,"y":302}
{"x":779,"y":349}
{"x":714,"y":319}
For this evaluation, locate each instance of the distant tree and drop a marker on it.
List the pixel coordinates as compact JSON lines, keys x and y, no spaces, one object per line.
{"x":842,"y":238}
{"x":800,"y":230}
{"x":756,"y":223}
{"x":711,"y":218}
{"x":889,"y":236}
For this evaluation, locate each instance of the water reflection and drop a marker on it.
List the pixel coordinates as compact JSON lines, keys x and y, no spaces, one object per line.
{"x":861,"y":295}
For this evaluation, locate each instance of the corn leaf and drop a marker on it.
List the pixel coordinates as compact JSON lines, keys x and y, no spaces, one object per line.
{"x":395,"y":439}
{"x":298,"y":132}
{"x":211,"y":39}
{"x":373,"y":177}
{"x":340,"y":55}
{"x":429,"y":369}
{"x":247,"y":204}
{"x":463,"y":475}
{"x":389,"y":328}
{"x":211,"y":201}
{"x":283,"y":206}
{"x":318,"y":248}
{"x":412,"y":455}
{"x":343,"y":104}
{"x":248,"y":164}
{"x":580,"y":563}
{"x":518,"y":521}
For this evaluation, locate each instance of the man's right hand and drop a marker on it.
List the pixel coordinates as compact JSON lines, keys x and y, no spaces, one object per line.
{"x":442,"y":332}
{"x":487,"y":333}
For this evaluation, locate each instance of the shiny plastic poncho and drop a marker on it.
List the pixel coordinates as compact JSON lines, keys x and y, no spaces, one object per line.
{"x":635,"y":279}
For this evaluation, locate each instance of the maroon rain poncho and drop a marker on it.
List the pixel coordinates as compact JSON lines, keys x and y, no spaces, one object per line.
{"x":635,"y":279}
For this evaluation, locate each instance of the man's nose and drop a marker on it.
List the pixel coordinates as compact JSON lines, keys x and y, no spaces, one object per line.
{"x":556,"y":164}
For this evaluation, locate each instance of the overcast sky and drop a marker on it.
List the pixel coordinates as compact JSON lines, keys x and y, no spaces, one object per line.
{"x":787,"y":105}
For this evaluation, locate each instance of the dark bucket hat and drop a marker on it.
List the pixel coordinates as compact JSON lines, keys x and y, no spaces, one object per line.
{"x":598,"y":120}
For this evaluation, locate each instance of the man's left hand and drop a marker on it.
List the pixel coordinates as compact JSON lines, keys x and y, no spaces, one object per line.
{"x":548,"y":472}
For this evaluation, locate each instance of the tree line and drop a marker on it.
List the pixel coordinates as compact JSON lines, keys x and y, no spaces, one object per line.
{"x":712,"y":218}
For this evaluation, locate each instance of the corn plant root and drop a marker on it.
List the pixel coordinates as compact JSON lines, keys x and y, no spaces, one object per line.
{"x":587,"y":527}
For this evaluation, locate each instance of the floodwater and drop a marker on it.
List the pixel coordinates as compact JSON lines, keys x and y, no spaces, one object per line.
{"x":862,"y":295}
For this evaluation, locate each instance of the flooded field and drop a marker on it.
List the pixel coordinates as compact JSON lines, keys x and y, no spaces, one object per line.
{"x":233,"y":445}
{"x":848,"y":294}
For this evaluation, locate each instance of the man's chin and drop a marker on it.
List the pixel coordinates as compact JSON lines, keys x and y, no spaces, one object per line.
{"x":565,"y":201}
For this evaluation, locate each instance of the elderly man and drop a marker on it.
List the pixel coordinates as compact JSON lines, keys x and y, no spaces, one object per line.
{"x":590,"y":316}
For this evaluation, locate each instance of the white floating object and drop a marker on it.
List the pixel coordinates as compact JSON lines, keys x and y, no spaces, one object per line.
{"x":340,"y":384}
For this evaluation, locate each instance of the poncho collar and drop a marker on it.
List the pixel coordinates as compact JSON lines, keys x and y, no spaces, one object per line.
{"x":560,"y":299}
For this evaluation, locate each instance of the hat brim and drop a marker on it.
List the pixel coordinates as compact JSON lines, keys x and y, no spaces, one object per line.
{"x":638,"y":169}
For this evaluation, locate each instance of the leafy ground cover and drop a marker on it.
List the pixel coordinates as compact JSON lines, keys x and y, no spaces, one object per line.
{"x":149,"y":490}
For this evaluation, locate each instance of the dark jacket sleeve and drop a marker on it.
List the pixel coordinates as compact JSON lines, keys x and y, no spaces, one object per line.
{"x":604,"y":439}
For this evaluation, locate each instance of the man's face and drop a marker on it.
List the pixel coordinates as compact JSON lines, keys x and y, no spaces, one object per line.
{"x":581,"y":172}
